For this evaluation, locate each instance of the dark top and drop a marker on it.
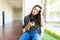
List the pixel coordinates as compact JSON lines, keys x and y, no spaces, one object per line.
{"x":36,"y":27}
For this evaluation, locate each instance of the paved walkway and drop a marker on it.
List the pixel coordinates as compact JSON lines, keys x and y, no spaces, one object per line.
{"x":53,"y":28}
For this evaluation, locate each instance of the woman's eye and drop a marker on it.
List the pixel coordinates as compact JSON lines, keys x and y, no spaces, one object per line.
{"x":34,"y":9}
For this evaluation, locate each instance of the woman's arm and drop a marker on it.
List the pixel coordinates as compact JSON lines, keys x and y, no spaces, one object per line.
{"x":27,"y":27}
{"x":27,"y":24}
{"x":42,"y":19}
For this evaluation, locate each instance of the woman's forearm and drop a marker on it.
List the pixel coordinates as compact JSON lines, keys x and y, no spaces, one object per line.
{"x":27,"y":27}
{"x":42,"y":21}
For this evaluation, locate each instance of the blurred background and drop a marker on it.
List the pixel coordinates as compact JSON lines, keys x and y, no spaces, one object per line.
{"x":12,"y":13}
{"x":10,"y":19}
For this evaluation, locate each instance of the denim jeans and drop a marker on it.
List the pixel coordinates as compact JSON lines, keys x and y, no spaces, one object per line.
{"x":31,"y":35}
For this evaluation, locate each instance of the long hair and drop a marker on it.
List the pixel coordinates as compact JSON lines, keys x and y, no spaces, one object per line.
{"x":38,"y":16}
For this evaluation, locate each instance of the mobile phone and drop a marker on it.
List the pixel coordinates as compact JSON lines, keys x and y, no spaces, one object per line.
{"x":31,"y":19}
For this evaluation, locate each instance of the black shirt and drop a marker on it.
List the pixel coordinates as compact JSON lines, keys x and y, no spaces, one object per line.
{"x":36,"y":27}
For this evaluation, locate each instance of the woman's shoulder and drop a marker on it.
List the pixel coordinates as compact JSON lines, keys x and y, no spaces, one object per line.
{"x":26,"y":17}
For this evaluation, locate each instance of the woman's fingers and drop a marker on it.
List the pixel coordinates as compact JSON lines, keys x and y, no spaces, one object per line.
{"x":32,"y":23}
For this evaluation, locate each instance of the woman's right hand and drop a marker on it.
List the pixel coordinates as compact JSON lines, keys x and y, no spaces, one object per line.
{"x":31,"y":23}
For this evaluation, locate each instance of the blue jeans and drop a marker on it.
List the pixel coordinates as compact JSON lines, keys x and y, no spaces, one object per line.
{"x":32,"y":35}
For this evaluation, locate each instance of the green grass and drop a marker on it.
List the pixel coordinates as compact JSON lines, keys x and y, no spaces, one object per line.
{"x":47,"y":36}
{"x":50,"y":35}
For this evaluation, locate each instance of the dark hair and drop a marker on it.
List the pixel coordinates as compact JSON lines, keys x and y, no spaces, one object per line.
{"x":38,"y":16}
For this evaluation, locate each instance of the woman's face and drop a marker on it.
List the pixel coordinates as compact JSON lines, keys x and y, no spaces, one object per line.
{"x":35,"y":10}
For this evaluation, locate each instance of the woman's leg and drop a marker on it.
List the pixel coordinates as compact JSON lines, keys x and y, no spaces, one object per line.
{"x":25,"y":36}
{"x":36,"y":36}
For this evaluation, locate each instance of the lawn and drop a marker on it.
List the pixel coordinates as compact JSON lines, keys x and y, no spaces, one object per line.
{"x":47,"y":36}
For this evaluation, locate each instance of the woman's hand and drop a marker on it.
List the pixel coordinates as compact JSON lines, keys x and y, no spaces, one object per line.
{"x":31,"y":23}
{"x":42,"y":12}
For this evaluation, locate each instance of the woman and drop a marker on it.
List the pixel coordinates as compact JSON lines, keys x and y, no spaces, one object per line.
{"x":33,"y":24}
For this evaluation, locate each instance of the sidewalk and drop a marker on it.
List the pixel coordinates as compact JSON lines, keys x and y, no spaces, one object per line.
{"x":53,"y":28}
